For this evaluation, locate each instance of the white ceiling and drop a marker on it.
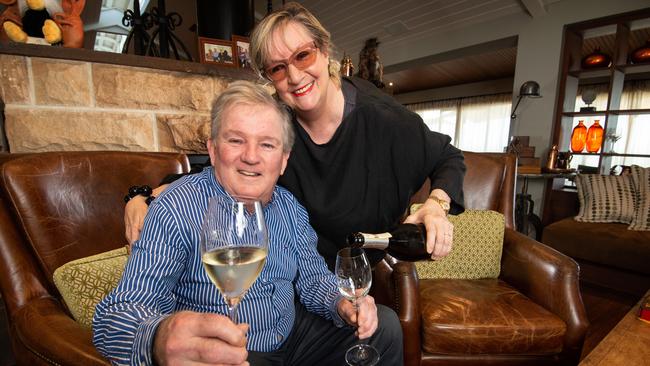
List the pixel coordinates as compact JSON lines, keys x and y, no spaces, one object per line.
{"x":397,"y":23}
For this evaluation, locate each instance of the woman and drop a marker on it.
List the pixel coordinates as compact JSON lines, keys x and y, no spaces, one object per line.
{"x":359,"y":155}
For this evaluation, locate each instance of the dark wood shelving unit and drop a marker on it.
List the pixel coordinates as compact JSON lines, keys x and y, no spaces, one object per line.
{"x":617,"y":35}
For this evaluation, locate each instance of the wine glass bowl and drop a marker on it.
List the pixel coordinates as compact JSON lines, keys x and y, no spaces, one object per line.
{"x":354,"y":278}
{"x":234,"y":242}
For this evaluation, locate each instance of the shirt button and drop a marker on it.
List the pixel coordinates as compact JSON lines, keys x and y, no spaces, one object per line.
{"x":279,"y":337}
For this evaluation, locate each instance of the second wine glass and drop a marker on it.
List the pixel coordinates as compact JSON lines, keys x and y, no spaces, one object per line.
{"x":234,"y":245}
{"x":354,"y":278}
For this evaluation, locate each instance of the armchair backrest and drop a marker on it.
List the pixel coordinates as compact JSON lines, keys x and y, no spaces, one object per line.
{"x":489,"y":183}
{"x":60,"y":206}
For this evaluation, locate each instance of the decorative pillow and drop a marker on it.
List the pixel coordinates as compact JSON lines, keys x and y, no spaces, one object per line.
{"x":641,"y":181}
{"x":605,"y":198}
{"x":84,"y":282}
{"x":476,"y":250}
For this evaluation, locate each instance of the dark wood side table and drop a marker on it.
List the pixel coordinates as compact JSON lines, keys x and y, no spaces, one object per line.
{"x":526,"y":221}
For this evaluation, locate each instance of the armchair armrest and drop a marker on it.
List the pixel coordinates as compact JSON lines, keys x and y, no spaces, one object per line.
{"x":51,"y":336}
{"x":550,"y":279}
{"x":397,"y":286}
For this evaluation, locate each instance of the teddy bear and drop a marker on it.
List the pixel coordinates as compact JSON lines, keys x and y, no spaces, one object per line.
{"x":57,"y":21}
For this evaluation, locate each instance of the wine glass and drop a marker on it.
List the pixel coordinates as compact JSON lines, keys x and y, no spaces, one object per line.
{"x":234,"y":245}
{"x":354,"y":278}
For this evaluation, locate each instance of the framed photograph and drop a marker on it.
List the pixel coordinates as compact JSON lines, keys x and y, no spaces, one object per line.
{"x":217,"y":52}
{"x":242,"y":45}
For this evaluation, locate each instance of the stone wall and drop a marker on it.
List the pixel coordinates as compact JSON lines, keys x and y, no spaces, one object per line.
{"x":56,"y":105}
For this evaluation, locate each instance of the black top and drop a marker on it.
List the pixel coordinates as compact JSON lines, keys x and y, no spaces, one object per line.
{"x":363,"y":178}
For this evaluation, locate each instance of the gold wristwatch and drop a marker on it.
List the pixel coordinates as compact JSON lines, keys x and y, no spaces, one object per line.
{"x":443,"y":204}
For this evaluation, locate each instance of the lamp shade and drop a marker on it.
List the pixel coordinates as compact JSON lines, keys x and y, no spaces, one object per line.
{"x":530,"y":89}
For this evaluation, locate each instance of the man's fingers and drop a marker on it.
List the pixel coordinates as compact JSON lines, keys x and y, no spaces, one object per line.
{"x":219,"y":326}
{"x":213,"y":350}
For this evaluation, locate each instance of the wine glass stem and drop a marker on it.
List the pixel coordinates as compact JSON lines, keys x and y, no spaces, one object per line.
{"x":232,"y":312}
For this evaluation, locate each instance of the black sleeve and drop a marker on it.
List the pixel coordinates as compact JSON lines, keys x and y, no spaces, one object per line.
{"x":448,"y":170}
{"x":194,"y":168}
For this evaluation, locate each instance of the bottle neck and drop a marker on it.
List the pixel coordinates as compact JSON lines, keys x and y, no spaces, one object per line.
{"x":375,"y":241}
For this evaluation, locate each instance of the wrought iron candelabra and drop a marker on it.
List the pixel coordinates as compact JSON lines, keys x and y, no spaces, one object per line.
{"x":163,"y":34}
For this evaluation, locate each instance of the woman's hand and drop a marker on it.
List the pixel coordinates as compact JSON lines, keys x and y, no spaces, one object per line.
{"x":134,"y":213}
{"x":440,"y":232}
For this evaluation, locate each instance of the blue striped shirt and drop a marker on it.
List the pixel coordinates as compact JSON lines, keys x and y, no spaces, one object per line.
{"x":164,"y":274}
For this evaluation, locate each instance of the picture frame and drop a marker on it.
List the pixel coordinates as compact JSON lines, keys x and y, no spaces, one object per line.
{"x":217,"y":52}
{"x":242,"y":55}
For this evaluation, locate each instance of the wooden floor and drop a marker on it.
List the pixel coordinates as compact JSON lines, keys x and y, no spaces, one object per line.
{"x":604,"y":309}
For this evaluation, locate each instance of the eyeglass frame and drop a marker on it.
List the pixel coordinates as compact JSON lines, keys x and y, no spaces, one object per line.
{"x":290,"y":61}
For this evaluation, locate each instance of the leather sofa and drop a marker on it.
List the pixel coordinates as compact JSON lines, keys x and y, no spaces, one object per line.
{"x":610,"y":255}
{"x":56,"y":207}
{"x":531,"y":315}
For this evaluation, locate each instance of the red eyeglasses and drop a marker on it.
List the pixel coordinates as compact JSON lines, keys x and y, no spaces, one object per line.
{"x":304,"y":57}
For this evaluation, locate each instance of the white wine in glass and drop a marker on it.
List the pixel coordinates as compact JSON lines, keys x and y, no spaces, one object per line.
{"x":234,"y":244}
{"x":354,"y":278}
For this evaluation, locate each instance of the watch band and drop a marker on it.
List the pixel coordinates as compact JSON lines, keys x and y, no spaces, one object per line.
{"x":443,"y":204}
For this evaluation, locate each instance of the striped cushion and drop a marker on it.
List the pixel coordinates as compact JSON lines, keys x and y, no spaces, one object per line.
{"x":641,"y":181}
{"x":605,"y":198}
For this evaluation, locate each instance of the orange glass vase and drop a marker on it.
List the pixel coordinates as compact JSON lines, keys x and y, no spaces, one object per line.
{"x":594,"y":137}
{"x":579,"y":137}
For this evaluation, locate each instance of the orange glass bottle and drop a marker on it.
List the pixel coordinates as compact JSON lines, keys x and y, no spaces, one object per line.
{"x":594,"y":137}
{"x":578,"y":137}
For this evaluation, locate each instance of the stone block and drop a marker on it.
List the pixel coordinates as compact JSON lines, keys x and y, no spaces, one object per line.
{"x":138,"y":88}
{"x":183,"y":133}
{"x":61,"y":82}
{"x":14,"y":80}
{"x":46,"y":129}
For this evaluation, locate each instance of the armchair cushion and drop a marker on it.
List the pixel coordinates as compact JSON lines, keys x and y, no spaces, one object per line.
{"x":605,"y":198}
{"x":476,"y":251}
{"x":84,"y":282}
{"x":485,"y":317}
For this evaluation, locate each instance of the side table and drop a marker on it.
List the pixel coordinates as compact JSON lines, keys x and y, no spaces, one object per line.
{"x":526,"y":222}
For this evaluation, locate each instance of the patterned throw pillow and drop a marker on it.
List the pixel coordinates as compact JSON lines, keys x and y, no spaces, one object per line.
{"x":605,"y":198}
{"x":476,"y":250}
{"x":84,"y":282}
{"x":641,"y":181}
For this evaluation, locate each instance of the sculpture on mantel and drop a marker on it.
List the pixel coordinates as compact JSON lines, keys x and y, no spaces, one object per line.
{"x":370,"y":68}
{"x":53,"y":21}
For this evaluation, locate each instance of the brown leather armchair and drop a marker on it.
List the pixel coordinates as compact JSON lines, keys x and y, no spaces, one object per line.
{"x":57,"y":207}
{"x":532,"y":314}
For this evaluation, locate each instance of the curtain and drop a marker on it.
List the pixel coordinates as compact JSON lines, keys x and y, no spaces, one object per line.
{"x":484,"y":123}
{"x":474,"y":124}
{"x":439,"y":116}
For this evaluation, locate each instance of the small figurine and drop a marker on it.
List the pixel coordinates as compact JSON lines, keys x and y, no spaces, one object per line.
{"x":370,"y":68}
{"x":57,"y":21}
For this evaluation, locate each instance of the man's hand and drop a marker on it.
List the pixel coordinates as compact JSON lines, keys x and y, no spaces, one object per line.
{"x":134,"y":213}
{"x":365,"y":319}
{"x":440,"y":232}
{"x":202,"y":338}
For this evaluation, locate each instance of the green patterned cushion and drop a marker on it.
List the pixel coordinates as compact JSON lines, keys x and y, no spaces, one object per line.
{"x":476,"y":250}
{"x":84,"y":282}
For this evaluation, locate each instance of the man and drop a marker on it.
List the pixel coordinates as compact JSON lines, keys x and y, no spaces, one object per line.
{"x":166,"y":310}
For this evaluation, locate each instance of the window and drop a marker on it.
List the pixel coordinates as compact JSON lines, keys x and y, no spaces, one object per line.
{"x":474,"y":124}
{"x":631,"y":130}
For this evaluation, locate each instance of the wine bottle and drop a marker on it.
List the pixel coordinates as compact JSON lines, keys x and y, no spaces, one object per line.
{"x":406,"y":242}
